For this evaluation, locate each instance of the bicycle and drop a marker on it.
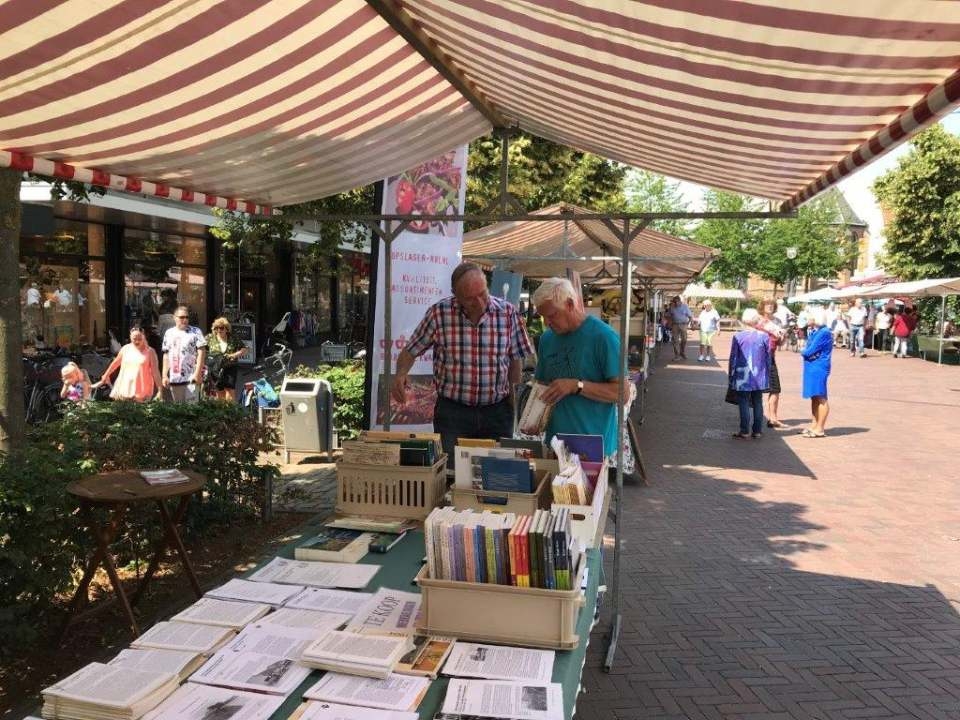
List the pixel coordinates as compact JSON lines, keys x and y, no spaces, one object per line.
{"x":42,"y":385}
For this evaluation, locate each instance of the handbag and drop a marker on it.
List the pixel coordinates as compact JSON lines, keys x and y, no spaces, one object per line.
{"x":732,"y":396}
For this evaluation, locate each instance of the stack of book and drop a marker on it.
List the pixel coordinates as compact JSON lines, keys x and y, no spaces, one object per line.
{"x":333,"y":544}
{"x":181,"y":663}
{"x":186,"y":637}
{"x":107,"y":692}
{"x":381,"y":447}
{"x":536,"y":550}
{"x":354,"y":654}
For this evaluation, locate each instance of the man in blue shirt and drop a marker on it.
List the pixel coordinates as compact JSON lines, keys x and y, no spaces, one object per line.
{"x":579,"y":359}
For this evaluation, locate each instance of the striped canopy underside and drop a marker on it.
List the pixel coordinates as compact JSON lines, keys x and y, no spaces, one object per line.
{"x":280,"y":101}
{"x":545,"y":248}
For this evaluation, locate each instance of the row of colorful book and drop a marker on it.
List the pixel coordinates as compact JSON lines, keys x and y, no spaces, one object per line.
{"x":536,"y":550}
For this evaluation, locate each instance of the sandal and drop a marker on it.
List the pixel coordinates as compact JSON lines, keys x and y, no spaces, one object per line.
{"x":811,"y":434}
{"x":740,"y":436}
{"x":775,"y":424}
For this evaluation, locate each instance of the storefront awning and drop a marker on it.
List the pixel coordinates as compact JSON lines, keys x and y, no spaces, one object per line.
{"x":278,"y":101}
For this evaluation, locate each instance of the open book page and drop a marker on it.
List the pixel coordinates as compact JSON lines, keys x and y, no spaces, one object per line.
{"x":387,"y":612}
{"x":276,"y":640}
{"x":204,"y":702}
{"x":252,"y":671}
{"x":112,"y":686}
{"x":536,"y":412}
{"x":499,"y":699}
{"x":351,"y":648}
{"x":184,"y":636}
{"x":226,"y":613}
{"x":326,"y":600}
{"x":495,"y":662}
{"x":396,"y":692}
{"x":262,"y":592}
{"x":316,"y":574}
{"x":316,"y":710}
{"x":179,"y":662}
{"x":322,"y":622}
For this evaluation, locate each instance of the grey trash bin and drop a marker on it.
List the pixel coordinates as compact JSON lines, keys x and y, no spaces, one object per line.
{"x":306,"y":406}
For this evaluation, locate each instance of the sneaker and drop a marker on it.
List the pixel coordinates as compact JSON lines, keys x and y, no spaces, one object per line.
{"x":700,"y":358}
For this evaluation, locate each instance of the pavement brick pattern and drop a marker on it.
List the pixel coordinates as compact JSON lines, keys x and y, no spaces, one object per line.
{"x":790,"y":577}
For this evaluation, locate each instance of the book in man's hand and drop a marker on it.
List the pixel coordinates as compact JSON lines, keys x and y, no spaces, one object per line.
{"x":335,"y":545}
{"x":536,"y":412}
{"x":104,"y":692}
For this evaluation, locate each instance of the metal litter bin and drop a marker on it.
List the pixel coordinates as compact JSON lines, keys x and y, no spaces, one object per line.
{"x":306,"y":406}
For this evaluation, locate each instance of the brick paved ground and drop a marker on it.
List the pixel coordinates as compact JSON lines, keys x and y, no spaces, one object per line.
{"x":790,"y":577}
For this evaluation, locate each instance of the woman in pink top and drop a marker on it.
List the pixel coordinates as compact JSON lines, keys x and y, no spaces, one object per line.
{"x":139,"y":376}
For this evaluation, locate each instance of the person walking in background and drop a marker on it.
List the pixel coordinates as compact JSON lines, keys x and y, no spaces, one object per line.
{"x":709,"y":322}
{"x":223,"y":352}
{"x":816,"y":371}
{"x":857,"y":320}
{"x":748,"y":373}
{"x":881,"y":325}
{"x":184,"y":358}
{"x":767,"y":322}
{"x":680,"y":318}
{"x":139,"y":376}
{"x":901,"y":332}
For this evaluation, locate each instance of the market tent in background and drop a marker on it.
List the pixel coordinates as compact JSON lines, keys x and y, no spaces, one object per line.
{"x":820,"y":295}
{"x":714,"y":292}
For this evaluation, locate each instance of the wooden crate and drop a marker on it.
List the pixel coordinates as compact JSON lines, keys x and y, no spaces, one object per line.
{"x":395,"y":491}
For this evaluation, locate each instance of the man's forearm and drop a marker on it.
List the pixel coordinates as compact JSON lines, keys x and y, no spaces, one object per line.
{"x":404,"y":362}
{"x":608,"y":392}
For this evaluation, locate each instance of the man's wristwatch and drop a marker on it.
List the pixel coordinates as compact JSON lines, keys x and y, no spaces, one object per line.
{"x":579,"y":387}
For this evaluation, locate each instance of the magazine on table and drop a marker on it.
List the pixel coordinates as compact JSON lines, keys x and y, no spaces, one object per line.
{"x":387,"y":612}
{"x":274,"y":594}
{"x":205,"y":639}
{"x":296,"y":618}
{"x":181,"y":663}
{"x":193,"y":701}
{"x":499,"y":662}
{"x":225,"y":613}
{"x":315,"y":574}
{"x":395,"y":692}
{"x":252,"y":671}
{"x":329,"y":600}
{"x":500,"y":699}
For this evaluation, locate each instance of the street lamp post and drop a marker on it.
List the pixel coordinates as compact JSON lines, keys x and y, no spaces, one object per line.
{"x":791,"y":256}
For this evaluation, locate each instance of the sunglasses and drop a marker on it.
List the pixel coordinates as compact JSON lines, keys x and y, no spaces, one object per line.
{"x":182,"y":317}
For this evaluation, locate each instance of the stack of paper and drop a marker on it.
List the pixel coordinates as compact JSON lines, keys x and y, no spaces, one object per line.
{"x":181,"y":663}
{"x":274,"y":594}
{"x":200,"y":702}
{"x":366,"y":655}
{"x":106,"y":692}
{"x":190,"y":637}
{"x":163,"y":477}
{"x":391,"y":693}
{"x":211,"y":611}
{"x":315,"y":574}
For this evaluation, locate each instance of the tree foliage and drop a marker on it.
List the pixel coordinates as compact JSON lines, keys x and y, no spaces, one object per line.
{"x":922,"y":195}
{"x":650,"y":192}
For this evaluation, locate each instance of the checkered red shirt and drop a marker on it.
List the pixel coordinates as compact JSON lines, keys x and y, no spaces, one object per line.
{"x":471,"y":362}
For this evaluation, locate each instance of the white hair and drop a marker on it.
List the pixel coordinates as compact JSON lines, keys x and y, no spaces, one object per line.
{"x":554,"y":290}
{"x":818,"y":315}
{"x":750,"y":317}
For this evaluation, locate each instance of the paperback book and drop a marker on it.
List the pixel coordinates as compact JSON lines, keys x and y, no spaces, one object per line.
{"x":335,"y":545}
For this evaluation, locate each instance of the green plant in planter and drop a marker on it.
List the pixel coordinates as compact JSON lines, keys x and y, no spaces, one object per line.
{"x":346,"y":383}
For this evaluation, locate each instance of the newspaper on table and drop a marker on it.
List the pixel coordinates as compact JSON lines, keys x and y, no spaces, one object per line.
{"x":316,"y":573}
{"x":205,"y":702}
{"x":296,"y":618}
{"x":273,"y":594}
{"x":387,"y":612}
{"x":395,"y":692}
{"x":98,"y":690}
{"x":496,"y":662}
{"x":252,"y":671}
{"x":204,"y":639}
{"x":179,"y":662}
{"x":328,"y":600}
{"x":316,"y":710}
{"x":500,"y":699}
{"x":163,"y":477}
{"x":277,"y":640}
{"x":226,"y":613}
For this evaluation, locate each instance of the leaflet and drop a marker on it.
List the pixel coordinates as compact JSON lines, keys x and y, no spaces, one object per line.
{"x":294,"y":617}
{"x":495,"y":662}
{"x":388,"y":612}
{"x":276,"y":640}
{"x":261,"y":592}
{"x":395,"y":692}
{"x":315,"y":573}
{"x":326,"y":600}
{"x":201,"y":702}
{"x":252,"y":671}
{"x":227,"y":613}
{"x":497,"y":699}
{"x":315,"y":710}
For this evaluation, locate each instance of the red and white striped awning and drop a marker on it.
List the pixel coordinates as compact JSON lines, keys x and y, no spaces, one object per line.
{"x":277,"y":101}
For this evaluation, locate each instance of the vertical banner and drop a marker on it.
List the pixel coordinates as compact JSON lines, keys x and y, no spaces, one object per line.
{"x":423,"y":256}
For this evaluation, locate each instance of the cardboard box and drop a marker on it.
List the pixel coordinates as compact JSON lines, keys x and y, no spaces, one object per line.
{"x":397,"y":491}
{"x":482,"y":612}
{"x":519,"y":503}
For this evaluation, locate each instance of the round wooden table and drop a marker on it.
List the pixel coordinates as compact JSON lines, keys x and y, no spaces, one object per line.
{"x":116,"y":491}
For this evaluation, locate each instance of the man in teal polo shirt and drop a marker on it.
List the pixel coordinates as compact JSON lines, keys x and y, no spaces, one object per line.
{"x":579,"y":358}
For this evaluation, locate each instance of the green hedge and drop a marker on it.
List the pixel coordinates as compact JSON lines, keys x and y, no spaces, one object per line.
{"x":43,"y":543}
{"x":346,"y":382}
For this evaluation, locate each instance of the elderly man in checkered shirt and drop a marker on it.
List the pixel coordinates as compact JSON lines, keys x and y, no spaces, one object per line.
{"x":479,"y":343}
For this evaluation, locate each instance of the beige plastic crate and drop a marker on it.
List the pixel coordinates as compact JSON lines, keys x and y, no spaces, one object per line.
{"x":504,"y":614}
{"x":396,"y":491}
{"x":587,"y":521}
{"x":519,"y":503}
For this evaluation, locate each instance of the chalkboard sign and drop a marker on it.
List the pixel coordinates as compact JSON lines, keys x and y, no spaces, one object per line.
{"x":330,"y":352}
{"x":247,"y":334}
